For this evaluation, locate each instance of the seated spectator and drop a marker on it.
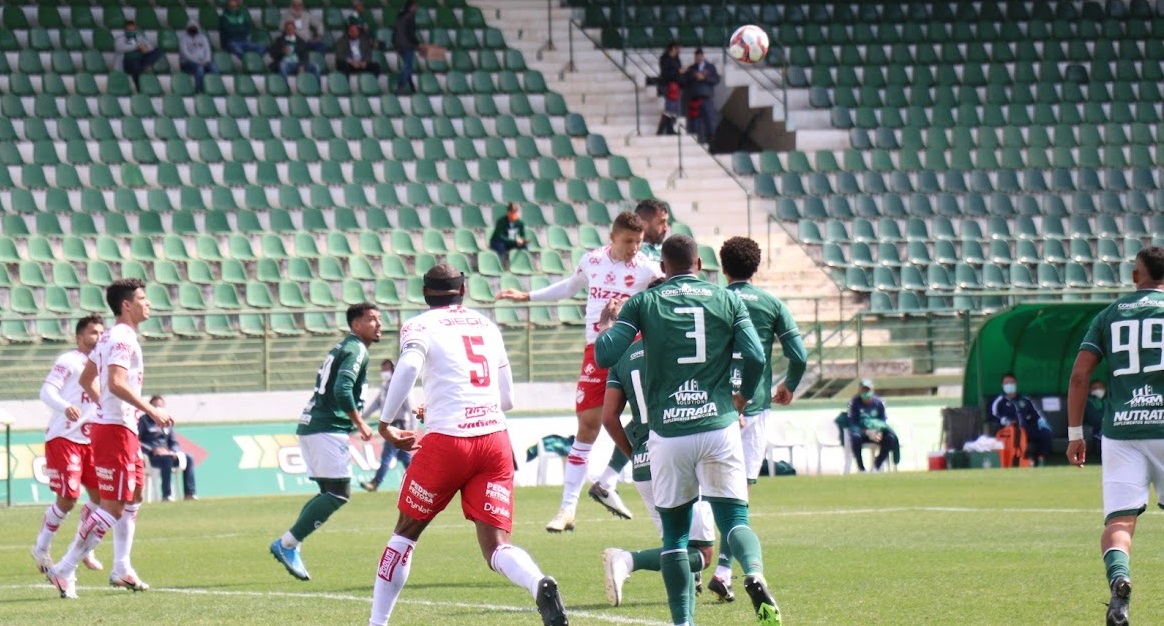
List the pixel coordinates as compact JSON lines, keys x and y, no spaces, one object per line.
{"x":868,"y":423}
{"x":361,"y":18}
{"x":194,"y":54}
{"x":509,"y":233}
{"x":1093,"y":415}
{"x":353,"y":54}
{"x":1011,"y":409}
{"x":135,"y":52}
{"x":160,"y":446}
{"x":404,"y":419}
{"x":307,"y":25}
{"x":289,"y":55}
{"x":234,"y":30}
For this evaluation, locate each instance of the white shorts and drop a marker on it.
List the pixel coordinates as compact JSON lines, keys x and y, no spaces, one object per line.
{"x":702,"y":521}
{"x":711,"y":463}
{"x":1129,"y":467}
{"x":326,"y":455}
{"x":755,"y":439}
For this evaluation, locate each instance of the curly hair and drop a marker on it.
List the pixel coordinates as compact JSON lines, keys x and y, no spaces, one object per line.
{"x":739,"y":257}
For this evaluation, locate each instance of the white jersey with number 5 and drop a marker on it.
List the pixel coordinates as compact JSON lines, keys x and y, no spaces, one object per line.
{"x":604,"y":278}
{"x":118,"y":346}
{"x":463,"y":358}
{"x":66,"y":377}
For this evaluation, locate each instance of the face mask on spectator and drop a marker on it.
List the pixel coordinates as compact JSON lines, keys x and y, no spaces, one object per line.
{"x":1099,"y":393}
{"x":1009,"y":388}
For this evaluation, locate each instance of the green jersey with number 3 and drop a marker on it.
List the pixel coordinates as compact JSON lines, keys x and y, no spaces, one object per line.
{"x":627,"y":376}
{"x":1130,"y":335}
{"x":689,"y":329}
{"x":772,"y":320}
{"x":338,"y":386}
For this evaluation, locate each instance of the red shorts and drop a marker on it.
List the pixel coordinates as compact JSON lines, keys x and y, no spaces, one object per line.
{"x":117,"y":460}
{"x":481,"y":468}
{"x":591,"y":383}
{"x":69,"y":466}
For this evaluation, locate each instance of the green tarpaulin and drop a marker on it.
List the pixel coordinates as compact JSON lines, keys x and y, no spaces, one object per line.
{"x":1038,"y":342}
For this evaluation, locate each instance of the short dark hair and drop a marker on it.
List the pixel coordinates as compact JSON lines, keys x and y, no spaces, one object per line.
{"x":1153,"y":259}
{"x":130,"y":23}
{"x":121,"y":290}
{"x":1009,"y":375}
{"x":512,"y":207}
{"x":628,"y":221}
{"x":87,"y":321}
{"x":650,"y":208}
{"x":699,"y":50}
{"x":680,"y":253}
{"x":356,"y":311}
{"x":155,"y":398}
{"x":739,"y":257}
{"x":388,"y":362}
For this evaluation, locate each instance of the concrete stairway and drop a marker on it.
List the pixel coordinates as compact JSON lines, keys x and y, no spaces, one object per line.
{"x":706,"y":197}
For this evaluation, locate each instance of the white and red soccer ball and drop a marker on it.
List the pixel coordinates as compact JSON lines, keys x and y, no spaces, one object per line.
{"x":749,"y":44}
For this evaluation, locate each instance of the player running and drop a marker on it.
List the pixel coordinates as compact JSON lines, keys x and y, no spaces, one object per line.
{"x":1130,"y":335}
{"x":655,"y":216}
{"x":614,"y":271}
{"x":468,"y":385}
{"x":324,"y":429}
{"x":693,"y":415}
{"x":623,"y":384}
{"x":739,"y":257}
{"x":68,"y":455}
{"x":114,"y":372}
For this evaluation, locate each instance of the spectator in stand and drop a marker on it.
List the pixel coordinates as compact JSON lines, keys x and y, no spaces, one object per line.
{"x":509,"y":233}
{"x":1011,"y":408}
{"x":700,"y":80}
{"x":406,"y":42}
{"x":161,"y":448}
{"x":671,"y":73}
{"x":868,"y":423}
{"x":234,"y":31}
{"x":194,"y":54}
{"x":353,"y":54}
{"x":308,"y":27}
{"x":289,"y":54}
{"x":135,"y":52}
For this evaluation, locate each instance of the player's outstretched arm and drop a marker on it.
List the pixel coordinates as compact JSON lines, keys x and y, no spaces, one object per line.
{"x":516,"y":295}
{"x":560,"y":290}
{"x":1085,"y":364}
{"x":119,"y":386}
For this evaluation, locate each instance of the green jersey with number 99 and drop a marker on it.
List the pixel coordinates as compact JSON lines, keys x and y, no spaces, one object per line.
{"x":1130,"y":335}
{"x":338,"y":386}
{"x":689,"y":328}
{"x":627,"y":376}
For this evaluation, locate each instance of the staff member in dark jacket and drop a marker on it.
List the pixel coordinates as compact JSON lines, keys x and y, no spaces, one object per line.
{"x":671,"y":72}
{"x":160,"y":446}
{"x":1009,"y":407}
{"x":406,"y":42}
{"x":700,"y":81}
{"x":868,"y":423}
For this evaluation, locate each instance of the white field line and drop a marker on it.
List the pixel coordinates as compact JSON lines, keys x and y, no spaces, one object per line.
{"x":344,"y":597}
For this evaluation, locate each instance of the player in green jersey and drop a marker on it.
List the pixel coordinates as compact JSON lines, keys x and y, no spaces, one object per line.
{"x":324,"y":428}
{"x":1130,"y":335}
{"x":740,"y":258}
{"x":655,"y":216}
{"x":693,"y":414}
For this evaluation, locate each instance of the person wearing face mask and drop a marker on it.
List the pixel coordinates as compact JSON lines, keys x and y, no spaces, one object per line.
{"x":404,"y":420}
{"x":1011,"y":408}
{"x":194,"y":54}
{"x":868,"y":423}
{"x":135,"y":52}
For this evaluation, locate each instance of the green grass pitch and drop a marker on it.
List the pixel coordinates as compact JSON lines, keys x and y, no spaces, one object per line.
{"x":967,"y":547}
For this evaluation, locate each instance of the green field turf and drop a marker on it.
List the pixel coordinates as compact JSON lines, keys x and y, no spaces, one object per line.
{"x":968,"y":547}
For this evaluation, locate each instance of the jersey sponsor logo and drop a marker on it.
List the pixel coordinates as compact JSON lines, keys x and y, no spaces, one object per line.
{"x":598,"y":293}
{"x":422,"y":494}
{"x":688,"y":394}
{"x":478,"y":424}
{"x":416,"y":506}
{"x":595,"y":260}
{"x":1138,"y":418}
{"x":750,"y":297}
{"x":498,"y":492}
{"x":687,"y":414}
{"x":389,"y":560}
{"x":641,"y":459}
{"x":1146,"y":301}
{"x":685,"y":289}
{"x":637,"y":354}
{"x":1145,"y":397}
{"x":496,"y":509}
{"x":609,"y":278}
{"x":474,"y":412}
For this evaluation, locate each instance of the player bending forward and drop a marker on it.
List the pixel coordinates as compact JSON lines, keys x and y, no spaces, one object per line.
{"x":114,"y":373}
{"x":690,"y":330}
{"x":618,"y":270}
{"x":68,"y":455}
{"x":623,"y":386}
{"x":461,"y":358}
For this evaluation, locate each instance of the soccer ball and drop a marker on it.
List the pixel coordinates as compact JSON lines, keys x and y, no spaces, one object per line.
{"x":749,"y":44}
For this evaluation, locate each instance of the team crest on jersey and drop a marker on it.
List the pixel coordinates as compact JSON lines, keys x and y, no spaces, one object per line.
{"x":589,"y":369}
{"x":609,"y":278}
{"x":628,"y":280}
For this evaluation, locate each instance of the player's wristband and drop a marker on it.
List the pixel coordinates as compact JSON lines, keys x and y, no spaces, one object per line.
{"x":1074,"y":433}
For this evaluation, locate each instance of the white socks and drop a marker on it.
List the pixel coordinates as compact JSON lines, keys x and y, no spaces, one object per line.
{"x":723,"y":573}
{"x":576,"y":471}
{"x":53,"y":516}
{"x":515,"y":564}
{"x":289,"y":541}
{"x":89,"y":534}
{"x":123,"y":532}
{"x":608,"y":479}
{"x":395,"y":564}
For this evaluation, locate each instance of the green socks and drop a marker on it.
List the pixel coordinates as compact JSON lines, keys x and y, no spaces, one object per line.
{"x":618,"y":460}
{"x":651,"y":560}
{"x":679,"y":584}
{"x":1117,"y":563}
{"x":740,"y":541}
{"x":314,"y":514}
